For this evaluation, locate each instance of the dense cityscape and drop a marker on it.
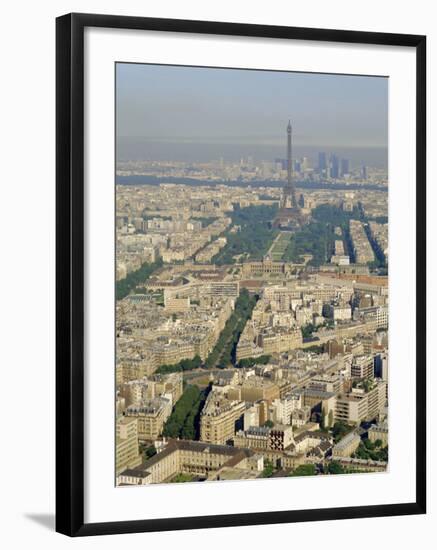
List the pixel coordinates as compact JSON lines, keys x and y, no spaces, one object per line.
{"x":329,"y":169}
{"x":251,"y":319}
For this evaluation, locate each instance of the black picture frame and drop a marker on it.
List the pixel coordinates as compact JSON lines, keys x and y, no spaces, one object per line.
{"x":70,"y":273}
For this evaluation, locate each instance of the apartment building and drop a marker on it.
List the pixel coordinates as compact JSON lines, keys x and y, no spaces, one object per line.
{"x":196,"y":458}
{"x":151,"y":415}
{"x":277,"y":438}
{"x":362,"y":367}
{"x":347,"y":445}
{"x":126,"y":448}
{"x":218,"y":418}
{"x":358,"y":405}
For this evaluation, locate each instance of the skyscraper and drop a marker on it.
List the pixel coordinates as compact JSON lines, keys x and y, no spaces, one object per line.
{"x":344,"y":167}
{"x":334,"y":168}
{"x":322,"y":166}
{"x":281,"y":163}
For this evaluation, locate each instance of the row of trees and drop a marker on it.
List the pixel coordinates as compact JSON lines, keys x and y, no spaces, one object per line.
{"x":373,"y":451}
{"x":134,"y":278}
{"x":314,"y":238}
{"x":380,"y":261}
{"x":318,"y":237}
{"x":254,"y":237}
{"x":333,"y":467}
{"x":183,"y":422}
{"x":223,"y":353}
{"x":251,"y":361}
{"x":304,"y":470}
{"x":347,"y":240}
{"x":185,"y":364}
{"x":333,"y":215}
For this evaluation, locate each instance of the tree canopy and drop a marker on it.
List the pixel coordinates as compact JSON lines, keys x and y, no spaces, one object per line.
{"x":134,"y":278}
{"x":254,"y":236}
{"x":183,"y":365}
{"x":304,"y":470}
{"x":251,"y":361}
{"x":184,"y":420}
{"x":223,"y":353}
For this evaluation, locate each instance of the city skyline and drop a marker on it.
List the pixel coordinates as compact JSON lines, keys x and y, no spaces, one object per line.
{"x":252,"y":303}
{"x":199,"y":114}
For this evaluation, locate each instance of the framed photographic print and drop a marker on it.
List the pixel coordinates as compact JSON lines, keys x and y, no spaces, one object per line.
{"x":240,"y":274}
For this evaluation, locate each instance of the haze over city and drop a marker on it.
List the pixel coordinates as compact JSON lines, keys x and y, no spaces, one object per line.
{"x":197,"y":114}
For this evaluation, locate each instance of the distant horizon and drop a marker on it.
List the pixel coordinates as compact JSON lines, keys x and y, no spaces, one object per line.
{"x":139,"y":149}
{"x":167,"y":112}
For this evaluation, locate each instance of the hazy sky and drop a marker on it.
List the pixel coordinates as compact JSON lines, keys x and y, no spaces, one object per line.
{"x":169,"y":111}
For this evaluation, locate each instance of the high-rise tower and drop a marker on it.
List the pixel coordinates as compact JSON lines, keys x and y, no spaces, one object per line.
{"x":289,"y":193}
{"x":289,"y":214}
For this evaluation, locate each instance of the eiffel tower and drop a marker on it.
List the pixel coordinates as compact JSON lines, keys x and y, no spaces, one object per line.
{"x":289,"y":216}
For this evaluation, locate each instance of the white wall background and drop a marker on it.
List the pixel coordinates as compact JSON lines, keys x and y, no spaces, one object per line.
{"x":27,"y":122}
